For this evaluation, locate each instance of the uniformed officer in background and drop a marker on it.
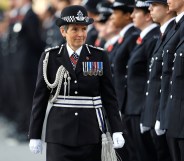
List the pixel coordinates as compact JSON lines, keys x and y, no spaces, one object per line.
{"x":91,"y":7}
{"x":105,"y":11}
{"x":160,"y":14}
{"x":25,"y":61}
{"x":121,"y":18}
{"x":137,"y":75}
{"x":50,"y":32}
{"x":82,"y":84}
{"x":173,"y":84}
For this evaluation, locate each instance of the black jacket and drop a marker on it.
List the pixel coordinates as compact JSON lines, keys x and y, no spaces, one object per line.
{"x":138,"y":72}
{"x":63,"y":126}
{"x":154,"y":81}
{"x":176,"y":99}
{"x":168,"y":57}
{"x":120,"y":64}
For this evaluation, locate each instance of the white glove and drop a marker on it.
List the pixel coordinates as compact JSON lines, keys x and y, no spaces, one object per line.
{"x":158,"y":130}
{"x":143,"y":128}
{"x":35,"y":146}
{"x":118,"y":140}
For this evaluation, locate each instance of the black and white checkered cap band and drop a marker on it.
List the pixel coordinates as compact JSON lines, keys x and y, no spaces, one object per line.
{"x":142,"y":4}
{"x":75,"y":19}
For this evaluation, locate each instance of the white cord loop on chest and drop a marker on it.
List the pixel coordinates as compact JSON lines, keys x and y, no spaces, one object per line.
{"x":61,"y":72}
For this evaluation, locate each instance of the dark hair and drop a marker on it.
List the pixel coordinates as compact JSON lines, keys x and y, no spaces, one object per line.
{"x":144,"y":9}
{"x":124,"y":9}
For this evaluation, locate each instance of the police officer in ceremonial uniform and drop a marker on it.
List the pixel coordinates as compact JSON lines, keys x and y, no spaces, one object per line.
{"x":138,"y":72}
{"x":160,"y":14}
{"x":77,"y":79}
{"x":174,"y":106}
{"x":166,"y":111}
{"x":176,"y":103}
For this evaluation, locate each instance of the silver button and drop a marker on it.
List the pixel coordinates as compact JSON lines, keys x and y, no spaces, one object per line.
{"x":76,"y":114}
{"x":76,"y":92}
{"x":181,"y":54}
{"x":149,"y":70}
{"x":167,"y":51}
{"x":148,"y":82}
{"x":147,"y":93}
{"x":156,"y":58}
{"x":127,"y":66}
{"x":170,"y":96}
{"x":75,"y":81}
{"x":172,"y":68}
{"x":160,"y":90}
{"x":170,"y":82}
{"x":112,"y":65}
{"x":160,"y":77}
{"x":126,"y":76}
{"x":162,"y":63}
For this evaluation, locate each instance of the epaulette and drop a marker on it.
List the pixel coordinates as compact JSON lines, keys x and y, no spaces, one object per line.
{"x":53,"y":48}
{"x":94,"y":47}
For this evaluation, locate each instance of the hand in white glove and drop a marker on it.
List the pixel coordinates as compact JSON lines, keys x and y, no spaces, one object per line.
{"x":143,"y":128}
{"x":35,"y":146}
{"x":118,"y":140}
{"x":158,"y":130}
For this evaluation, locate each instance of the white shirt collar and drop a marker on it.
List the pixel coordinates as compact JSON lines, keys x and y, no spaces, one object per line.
{"x":125,"y":29}
{"x":25,"y":8}
{"x":70,"y":51}
{"x":111,"y":41}
{"x":178,"y":17}
{"x":164,"y":26}
{"x":147,"y":29}
{"x":89,"y":27}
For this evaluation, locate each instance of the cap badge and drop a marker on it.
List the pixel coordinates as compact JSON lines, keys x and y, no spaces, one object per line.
{"x":80,"y":16}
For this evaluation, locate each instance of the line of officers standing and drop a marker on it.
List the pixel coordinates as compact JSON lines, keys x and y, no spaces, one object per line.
{"x":144,"y":40}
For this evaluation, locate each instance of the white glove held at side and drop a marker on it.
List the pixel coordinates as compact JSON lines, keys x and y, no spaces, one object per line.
{"x":35,"y":146}
{"x":143,"y":128}
{"x":118,"y":140}
{"x":158,"y":130}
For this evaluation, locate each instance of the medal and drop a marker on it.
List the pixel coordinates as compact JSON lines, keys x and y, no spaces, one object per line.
{"x":90,"y":72}
{"x":100,"y":68}
{"x":95,"y":69}
{"x":84,"y":69}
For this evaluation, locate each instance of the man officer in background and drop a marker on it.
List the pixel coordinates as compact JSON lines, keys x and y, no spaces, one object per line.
{"x":160,"y":13}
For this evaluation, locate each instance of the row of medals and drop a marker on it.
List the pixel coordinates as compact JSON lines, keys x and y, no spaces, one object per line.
{"x":92,"y":68}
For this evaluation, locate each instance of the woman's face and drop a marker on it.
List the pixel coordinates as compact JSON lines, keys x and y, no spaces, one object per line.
{"x":75,"y":35}
{"x":139,"y":18}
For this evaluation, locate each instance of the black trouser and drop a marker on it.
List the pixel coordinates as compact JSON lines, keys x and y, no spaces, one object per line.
{"x":59,"y":152}
{"x":161,"y":146}
{"x":176,"y":147}
{"x":143,"y":143}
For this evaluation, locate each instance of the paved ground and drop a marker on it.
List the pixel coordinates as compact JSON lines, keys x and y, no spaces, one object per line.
{"x":12,"y":150}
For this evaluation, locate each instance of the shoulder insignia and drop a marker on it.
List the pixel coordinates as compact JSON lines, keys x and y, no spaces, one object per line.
{"x":94,"y":47}
{"x":48,"y":49}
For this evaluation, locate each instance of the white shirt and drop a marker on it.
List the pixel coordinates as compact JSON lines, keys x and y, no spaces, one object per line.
{"x":147,"y":29}
{"x":70,"y":51}
{"x":178,"y":17}
{"x":164,"y":26}
{"x":125,"y":29}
